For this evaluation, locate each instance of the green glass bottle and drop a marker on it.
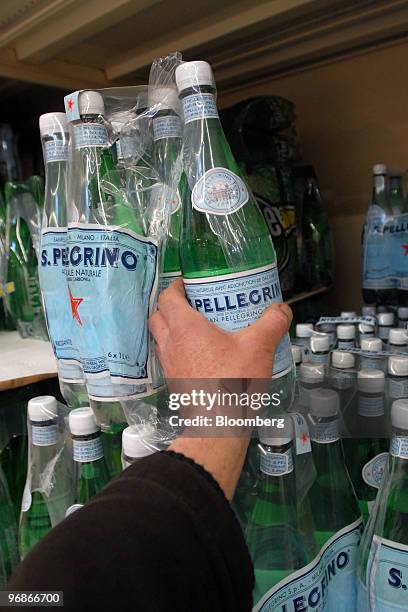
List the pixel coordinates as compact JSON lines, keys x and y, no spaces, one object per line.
{"x":332,"y":497}
{"x":273,"y":533}
{"x":382,"y":571}
{"x":8,"y":529}
{"x":93,"y":473}
{"x":23,"y":299}
{"x":35,"y":520}
{"x":367,"y":425}
{"x":396,"y":191}
{"x":226,"y":253}
{"x":112,"y":447}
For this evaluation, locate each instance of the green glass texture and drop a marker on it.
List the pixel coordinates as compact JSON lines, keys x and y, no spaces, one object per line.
{"x":92,"y":477}
{"x":13,"y":461}
{"x":112,"y":448}
{"x":212,"y":245}
{"x":8,"y":529}
{"x":34,"y":524}
{"x":332,"y":498}
{"x":99,"y":194}
{"x":272,"y":534}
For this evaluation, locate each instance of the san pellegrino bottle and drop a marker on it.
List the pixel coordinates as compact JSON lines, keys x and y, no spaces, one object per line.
{"x":403,"y":317}
{"x":311,"y":376}
{"x":53,"y":258}
{"x":370,"y":356}
{"x":297,"y":356}
{"x":398,"y":340}
{"x":88,"y":454}
{"x":226,"y":253}
{"x":368,"y":311}
{"x":137,"y":442}
{"x":48,"y":490}
{"x":107,"y":246}
{"x":167,"y":135}
{"x":346,"y":336}
{"x":9,"y":555}
{"x":333,"y":500}
{"x":397,"y":379}
{"x":319,"y":348}
{"x":274,"y":535}
{"x":377,"y":284}
{"x":342,"y":376}
{"x":385,"y":323}
{"x":396,"y":192}
{"x":382,"y":571}
{"x":366,"y":447}
{"x":112,"y":447}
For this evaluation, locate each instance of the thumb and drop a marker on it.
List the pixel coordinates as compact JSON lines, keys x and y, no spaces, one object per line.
{"x":267,"y":332}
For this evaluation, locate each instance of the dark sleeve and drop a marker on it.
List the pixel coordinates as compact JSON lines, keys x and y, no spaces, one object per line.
{"x":160,"y":537}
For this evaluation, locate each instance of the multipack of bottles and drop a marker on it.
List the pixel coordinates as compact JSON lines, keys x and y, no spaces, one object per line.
{"x":384,"y":248}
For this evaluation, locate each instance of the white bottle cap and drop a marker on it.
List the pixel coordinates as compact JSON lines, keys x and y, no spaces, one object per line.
{"x":191,"y":74}
{"x":137,"y":441}
{"x":163,"y":98}
{"x":368,"y":311}
{"x":312,"y":372}
{"x":398,"y":365}
{"x":379,"y":169}
{"x":342,"y":360}
{"x":297,"y":354}
{"x":364,"y":328}
{"x":324,"y":403}
{"x":374,"y":345}
{"x":385,"y":318}
{"x":319,"y":343}
{"x":274,"y":436}
{"x":371,"y":381}
{"x":348,"y":313}
{"x":403,"y":312}
{"x":82,"y":422}
{"x":346,"y":332}
{"x":42,"y":408}
{"x":53,"y":123}
{"x":398,"y":336}
{"x":304,"y":330}
{"x":91,"y":103}
{"x":399,"y":414}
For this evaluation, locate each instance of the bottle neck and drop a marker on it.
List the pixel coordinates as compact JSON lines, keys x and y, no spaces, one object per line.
{"x":87,"y":449}
{"x":55,"y":151}
{"x":325,"y":432}
{"x":276,"y":461}
{"x":379,"y":190}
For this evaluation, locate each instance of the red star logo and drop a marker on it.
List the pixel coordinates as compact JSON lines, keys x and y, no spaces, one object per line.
{"x":304,"y":439}
{"x":75,"y":302}
{"x":405,"y":247}
{"x":70,"y":104}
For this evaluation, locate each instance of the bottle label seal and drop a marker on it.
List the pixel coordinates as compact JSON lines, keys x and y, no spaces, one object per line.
{"x":397,"y":387}
{"x":87,"y":450}
{"x":55,"y":150}
{"x":90,"y":135}
{"x":373,"y":471}
{"x":219,"y":192}
{"x":276,"y":464}
{"x":199,"y":106}
{"x":234,"y":301}
{"x":46,"y":435}
{"x":167,"y":127}
{"x":399,"y":447}
{"x":324,"y":433}
{"x":371,"y":406}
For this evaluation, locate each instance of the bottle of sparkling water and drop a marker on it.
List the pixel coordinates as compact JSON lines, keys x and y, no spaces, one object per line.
{"x":35,"y":521}
{"x":112,"y":447}
{"x":385,"y":323}
{"x":342,"y":376}
{"x":370,"y":357}
{"x":311,"y":376}
{"x":397,"y":380}
{"x":333,"y":500}
{"x":87,"y":446}
{"x":273,"y":533}
{"x":319,"y":349}
{"x":53,"y":259}
{"x":227,"y":256}
{"x":382,"y":572}
{"x":9,"y":556}
{"x":366,"y":422}
{"x":346,"y":336}
{"x":137,"y":442}
{"x":403,"y":317}
{"x":398,"y":340}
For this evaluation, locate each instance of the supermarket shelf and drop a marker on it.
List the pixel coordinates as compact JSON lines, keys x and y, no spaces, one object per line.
{"x":23,"y":362}
{"x":75,"y":44}
{"x":307,"y":294}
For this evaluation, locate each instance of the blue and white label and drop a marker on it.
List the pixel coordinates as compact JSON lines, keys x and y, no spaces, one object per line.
{"x":399,"y":447}
{"x":56,"y":150}
{"x":373,"y":471}
{"x":45,"y":435}
{"x":234,"y":301}
{"x":327,"y":583}
{"x":52,"y":270}
{"x":219,"y":192}
{"x":371,"y":405}
{"x":167,"y":127}
{"x":112,"y":279}
{"x":324,"y":432}
{"x":276,"y":464}
{"x":199,"y":106}
{"x":387,"y":578}
{"x":319,"y":358}
{"x":166,"y":278}
{"x":343,"y":380}
{"x":371,"y":362}
{"x":397,"y":387}
{"x":90,"y":135}
{"x":376,"y":262}
{"x":384,"y":332}
{"x":345,"y":345}
{"x":85,"y":451}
